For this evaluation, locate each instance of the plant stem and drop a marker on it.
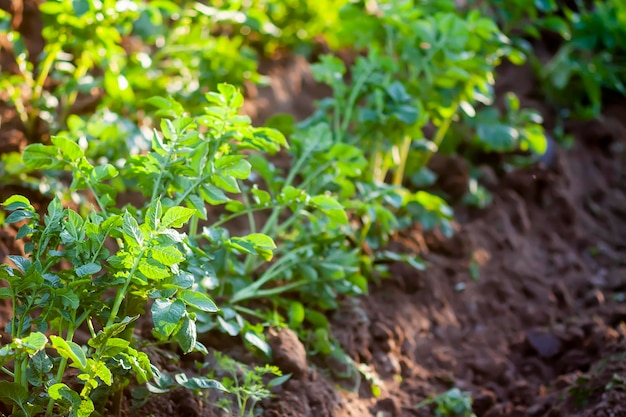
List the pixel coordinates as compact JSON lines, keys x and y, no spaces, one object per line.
{"x":354,"y":95}
{"x":270,"y":273}
{"x":193,"y":227}
{"x":439,"y":136}
{"x":404,"y":154}
{"x":119,"y":297}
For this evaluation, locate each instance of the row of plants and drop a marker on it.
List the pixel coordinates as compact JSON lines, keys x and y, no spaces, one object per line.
{"x":586,"y":58}
{"x":222,"y":238}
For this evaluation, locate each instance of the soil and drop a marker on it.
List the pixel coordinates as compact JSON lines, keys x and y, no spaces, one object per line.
{"x":540,"y":330}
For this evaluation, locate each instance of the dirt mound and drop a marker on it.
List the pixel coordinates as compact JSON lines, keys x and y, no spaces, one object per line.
{"x":539,"y":332}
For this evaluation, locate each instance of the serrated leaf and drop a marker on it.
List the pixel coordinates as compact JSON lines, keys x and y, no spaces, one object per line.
{"x":176,"y":217}
{"x":166,"y":315}
{"x":198,"y":300}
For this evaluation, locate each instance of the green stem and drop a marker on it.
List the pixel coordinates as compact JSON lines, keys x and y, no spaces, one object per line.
{"x":233,"y":216}
{"x":271,"y":222}
{"x":193,"y":227}
{"x":249,"y":214}
{"x":354,"y":95}
{"x":119,"y":297}
{"x":439,"y":136}
{"x":9,"y":373}
{"x":270,"y":273}
{"x":404,"y":154}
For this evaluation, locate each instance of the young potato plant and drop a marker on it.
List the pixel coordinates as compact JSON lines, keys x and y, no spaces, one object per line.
{"x":427,"y":64}
{"x":298,"y":209}
{"x":101,"y":269}
{"x":588,"y":38}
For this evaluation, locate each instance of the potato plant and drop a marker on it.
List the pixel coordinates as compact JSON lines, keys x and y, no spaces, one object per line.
{"x":74,"y":260}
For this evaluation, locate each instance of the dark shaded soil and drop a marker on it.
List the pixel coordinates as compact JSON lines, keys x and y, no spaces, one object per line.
{"x":540,"y":332}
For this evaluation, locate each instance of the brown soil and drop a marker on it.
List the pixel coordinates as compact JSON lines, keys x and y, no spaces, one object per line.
{"x":540,"y":332}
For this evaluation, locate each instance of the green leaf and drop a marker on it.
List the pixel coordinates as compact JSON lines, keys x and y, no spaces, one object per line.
{"x":330,"y":207}
{"x":33,"y":343}
{"x":114,"y":346}
{"x":101,"y":371}
{"x":234,"y":166}
{"x":18,"y":216}
{"x":38,"y":156}
{"x":256,"y":243}
{"x":257,"y":342}
{"x":70,"y":350}
{"x":166,"y":315}
{"x":213,"y":195}
{"x":153,"y":271}
{"x":261,"y":197}
{"x":168,"y":107}
{"x":79,"y":407}
{"x":17,"y":202}
{"x":198,"y":382}
{"x":13,"y":393}
{"x":131,"y":228}
{"x":167,"y":255}
{"x":154,"y":213}
{"x":176,"y":217}
{"x":186,"y":336}
{"x":88,"y":269}
{"x":68,"y":297}
{"x":198,"y":300}
{"x":69,"y":149}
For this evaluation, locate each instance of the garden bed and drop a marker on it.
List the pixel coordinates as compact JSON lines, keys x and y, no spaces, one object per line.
{"x":523,"y":310}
